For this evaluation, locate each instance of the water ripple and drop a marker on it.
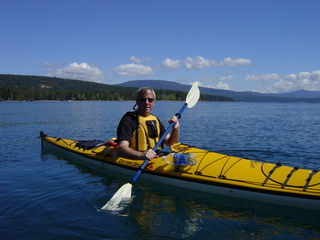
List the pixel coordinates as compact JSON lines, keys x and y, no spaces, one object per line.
{"x":43,"y":196}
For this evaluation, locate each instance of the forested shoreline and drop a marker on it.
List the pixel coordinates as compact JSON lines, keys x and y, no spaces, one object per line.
{"x":38,"y":88}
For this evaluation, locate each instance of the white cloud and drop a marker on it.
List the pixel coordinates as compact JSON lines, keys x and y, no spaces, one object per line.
{"x":219,"y":85}
{"x":81,"y":71}
{"x":235,"y":62}
{"x":133,"y":69}
{"x":138,"y":60}
{"x":170,"y":63}
{"x":198,"y":63}
{"x":229,"y":77}
{"x":296,"y":81}
{"x":263,"y":78}
{"x":222,"y":85}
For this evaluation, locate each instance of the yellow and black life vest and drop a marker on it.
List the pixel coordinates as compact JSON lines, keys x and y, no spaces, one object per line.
{"x":147,"y":134}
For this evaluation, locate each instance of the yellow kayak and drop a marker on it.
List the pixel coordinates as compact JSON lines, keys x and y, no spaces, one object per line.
{"x":211,"y":172}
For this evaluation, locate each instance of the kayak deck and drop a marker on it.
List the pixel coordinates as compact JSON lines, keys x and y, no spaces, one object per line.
{"x":219,"y":173}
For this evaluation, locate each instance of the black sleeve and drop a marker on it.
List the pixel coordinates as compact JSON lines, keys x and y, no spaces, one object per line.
{"x":162,"y":129}
{"x":126,"y":128}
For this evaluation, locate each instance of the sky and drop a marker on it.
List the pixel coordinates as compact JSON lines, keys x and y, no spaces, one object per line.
{"x":240,"y":45}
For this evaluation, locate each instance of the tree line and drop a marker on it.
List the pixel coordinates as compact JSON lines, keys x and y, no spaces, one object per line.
{"x":37,"y":88}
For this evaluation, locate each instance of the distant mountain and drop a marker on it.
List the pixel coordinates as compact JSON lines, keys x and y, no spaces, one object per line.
{"x":20,"y":87}
{"x":174,"y":86}
{"x":156,"y":84}
{"x":297,"y":96}
{"x":42,"y":82}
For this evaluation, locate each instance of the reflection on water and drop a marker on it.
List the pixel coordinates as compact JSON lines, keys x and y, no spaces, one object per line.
{"x":182,"y":214}
{"x":161,"y":210}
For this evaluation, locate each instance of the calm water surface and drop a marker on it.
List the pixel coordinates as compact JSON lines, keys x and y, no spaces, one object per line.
{"x":45,"y":196}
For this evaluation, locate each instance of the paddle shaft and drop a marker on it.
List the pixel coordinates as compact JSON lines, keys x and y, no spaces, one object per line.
{"x":144,"y":164}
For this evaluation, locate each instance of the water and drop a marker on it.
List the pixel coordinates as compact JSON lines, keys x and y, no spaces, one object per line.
{"x":45,"y":196}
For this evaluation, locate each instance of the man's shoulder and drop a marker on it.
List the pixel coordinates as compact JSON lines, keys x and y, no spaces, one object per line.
{"x":129,"y":116}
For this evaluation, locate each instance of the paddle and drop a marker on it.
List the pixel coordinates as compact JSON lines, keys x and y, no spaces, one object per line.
{"x":124,"y":193}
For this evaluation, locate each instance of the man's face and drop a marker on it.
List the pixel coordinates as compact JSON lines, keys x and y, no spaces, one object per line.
{"x":145,"y":103}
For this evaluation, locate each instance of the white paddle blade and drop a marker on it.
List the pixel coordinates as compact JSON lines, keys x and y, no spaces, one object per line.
{"x":122,"y":195}
{"x":193,"y":95}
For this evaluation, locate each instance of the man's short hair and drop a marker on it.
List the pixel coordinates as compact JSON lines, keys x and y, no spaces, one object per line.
{"x":143,"y":90}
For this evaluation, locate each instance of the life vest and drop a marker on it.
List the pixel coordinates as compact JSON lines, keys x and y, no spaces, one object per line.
{"x":147,"y":134}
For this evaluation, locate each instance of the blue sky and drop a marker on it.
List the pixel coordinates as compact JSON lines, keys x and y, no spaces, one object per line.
{"x":240,"y":45}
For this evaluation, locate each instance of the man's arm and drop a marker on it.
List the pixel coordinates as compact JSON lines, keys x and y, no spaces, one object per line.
{"x":174,"y":136}
{"x":125,"y":151}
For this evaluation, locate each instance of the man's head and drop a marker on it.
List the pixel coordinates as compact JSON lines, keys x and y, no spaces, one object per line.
{"x":145,"y":99}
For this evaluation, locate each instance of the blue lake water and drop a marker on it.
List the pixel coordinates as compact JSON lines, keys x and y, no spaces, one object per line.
{"x":46,"y":196}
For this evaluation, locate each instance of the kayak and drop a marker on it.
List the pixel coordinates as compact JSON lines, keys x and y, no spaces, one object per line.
{"x":209,"y":172}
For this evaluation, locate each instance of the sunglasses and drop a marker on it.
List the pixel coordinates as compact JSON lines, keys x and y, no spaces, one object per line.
{"x":150,"y":100}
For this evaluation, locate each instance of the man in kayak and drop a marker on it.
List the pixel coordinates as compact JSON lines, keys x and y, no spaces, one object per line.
{"x":139,"y":131}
